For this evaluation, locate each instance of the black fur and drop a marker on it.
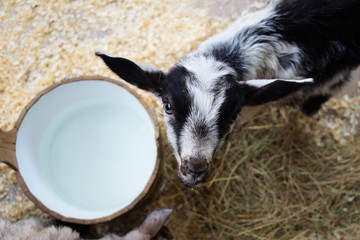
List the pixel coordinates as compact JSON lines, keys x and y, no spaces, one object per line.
{"x":176,"y":93}
{"x":313,"y":104}
{"x":230,"y":109}
{"x":271,"y":92}
{"x":127,"y":69}
{"x":327,"y":32}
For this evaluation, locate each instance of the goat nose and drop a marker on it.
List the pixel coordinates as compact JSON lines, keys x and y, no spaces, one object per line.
{"x":197,"y":165}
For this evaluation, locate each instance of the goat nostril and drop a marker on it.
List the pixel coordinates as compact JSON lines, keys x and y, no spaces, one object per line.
{"x":197,"y":165}
{"x":186,"y":162}
{"x":183,"y":169}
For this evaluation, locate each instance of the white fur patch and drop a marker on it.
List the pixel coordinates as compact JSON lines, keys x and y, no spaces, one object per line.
{"x":262,"y":59}
{"x":205,"y":106}
{"x":258,"y":83}
{"x":172,"y":137}
{"x":206,"y":69}
{"x":241,"y":23}
{"x":260,"y":53}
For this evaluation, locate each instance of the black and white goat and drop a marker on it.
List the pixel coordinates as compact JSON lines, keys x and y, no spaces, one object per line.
{"x":302,"y":48}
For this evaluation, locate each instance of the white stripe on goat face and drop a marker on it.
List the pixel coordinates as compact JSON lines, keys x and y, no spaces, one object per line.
{"x":199,"y":137}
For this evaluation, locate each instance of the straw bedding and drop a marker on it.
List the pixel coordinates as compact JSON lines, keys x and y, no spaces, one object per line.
{"x":279,"y":176}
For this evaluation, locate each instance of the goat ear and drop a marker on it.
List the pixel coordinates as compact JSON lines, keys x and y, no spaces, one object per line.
{"x":261,"y":91}
{"x":146,"y":77}
{"x":154,"y":222}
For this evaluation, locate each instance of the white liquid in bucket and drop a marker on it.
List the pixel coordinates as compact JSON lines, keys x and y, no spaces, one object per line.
{"x":94,"y":155}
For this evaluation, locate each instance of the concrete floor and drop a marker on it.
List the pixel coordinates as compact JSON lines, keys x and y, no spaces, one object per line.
{"x":229,"y":8}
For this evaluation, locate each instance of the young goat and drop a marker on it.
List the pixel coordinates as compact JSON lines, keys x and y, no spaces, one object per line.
{"x":298,"y":49}
{"x":35,"y":229}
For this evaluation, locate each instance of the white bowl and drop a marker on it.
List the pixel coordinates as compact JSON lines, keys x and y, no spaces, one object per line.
{"x":87,"y":149}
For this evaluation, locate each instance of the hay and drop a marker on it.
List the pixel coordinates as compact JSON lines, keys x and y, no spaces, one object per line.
{"x":280,"y":176}
{"x":270,"y":181}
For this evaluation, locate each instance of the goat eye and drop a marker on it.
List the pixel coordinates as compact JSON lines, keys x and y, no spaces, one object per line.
{"x":168,"y":108}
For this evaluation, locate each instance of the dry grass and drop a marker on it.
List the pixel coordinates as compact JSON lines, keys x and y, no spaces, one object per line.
{"x":270,"y":180}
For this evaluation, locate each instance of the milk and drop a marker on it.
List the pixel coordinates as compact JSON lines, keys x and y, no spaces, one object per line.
{"x":94,"y":154}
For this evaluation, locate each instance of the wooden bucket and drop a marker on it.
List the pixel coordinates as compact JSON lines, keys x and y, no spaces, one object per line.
{"x":85,"y":150}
